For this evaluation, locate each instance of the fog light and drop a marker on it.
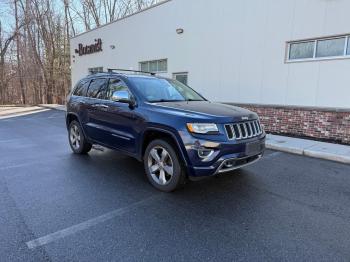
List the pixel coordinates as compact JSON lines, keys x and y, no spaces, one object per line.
{"x":205,"y":153}
{"x":229,"y":164}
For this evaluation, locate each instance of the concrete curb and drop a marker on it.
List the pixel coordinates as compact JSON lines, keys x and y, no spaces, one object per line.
{"x":315,"y":149}
{"x":327,"y":156}
{"x":292,"y":150}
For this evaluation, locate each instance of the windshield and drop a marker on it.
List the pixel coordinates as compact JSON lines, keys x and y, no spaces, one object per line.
{"x":164,"y":90}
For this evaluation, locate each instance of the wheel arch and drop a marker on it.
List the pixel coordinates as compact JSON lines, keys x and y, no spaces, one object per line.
{"x":73,"y":116}
{"x":153,"y":133}
{"x":70,"y":117}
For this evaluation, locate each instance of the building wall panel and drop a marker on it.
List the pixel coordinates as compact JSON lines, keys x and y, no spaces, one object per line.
{"x":234,"y":51}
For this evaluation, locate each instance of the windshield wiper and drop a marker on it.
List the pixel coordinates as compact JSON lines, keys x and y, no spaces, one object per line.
{"x":165,"y":100}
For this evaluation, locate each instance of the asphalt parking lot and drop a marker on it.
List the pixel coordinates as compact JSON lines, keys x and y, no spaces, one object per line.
{"x":56,"y":206}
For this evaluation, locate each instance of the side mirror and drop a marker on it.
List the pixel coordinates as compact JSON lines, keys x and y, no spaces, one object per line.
{"x":123,"y":97}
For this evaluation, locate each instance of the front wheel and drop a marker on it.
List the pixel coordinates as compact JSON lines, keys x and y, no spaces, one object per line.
{"x":162,"y":166}
{"x":77,"y":140}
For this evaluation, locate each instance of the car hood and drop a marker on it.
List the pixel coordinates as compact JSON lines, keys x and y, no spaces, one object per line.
{"x":210,"y":109}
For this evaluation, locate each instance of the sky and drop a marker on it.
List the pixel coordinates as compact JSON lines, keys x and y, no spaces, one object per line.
{"x":6,"y":16}
{"x":8,"y":21}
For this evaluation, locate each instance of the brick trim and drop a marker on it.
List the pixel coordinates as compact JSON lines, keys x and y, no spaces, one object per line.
{"x":316,"y":123}
{"x":322,"y":109}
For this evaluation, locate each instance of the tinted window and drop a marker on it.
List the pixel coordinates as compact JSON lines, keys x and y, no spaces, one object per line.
{"x":95,"y":70}
{"x":95,"y":86}
{"x":330,"y":47}
{"x":301,"y":50}
{"x":115,"y":85}
{"x":181,"y":77}
{"x":319,"y":48}
{"x":102,"y":93}
{"x":154,"y":66}
{"x":144,"y":66}
{"x":81,"y":87}
{"x":162,"y":90}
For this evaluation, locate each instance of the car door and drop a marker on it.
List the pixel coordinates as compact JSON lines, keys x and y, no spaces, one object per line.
{"x":119,"y":119}
{"x":95,"y":107}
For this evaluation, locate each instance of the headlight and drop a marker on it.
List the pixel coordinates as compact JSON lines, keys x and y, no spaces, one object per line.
{"x":202,"y":128}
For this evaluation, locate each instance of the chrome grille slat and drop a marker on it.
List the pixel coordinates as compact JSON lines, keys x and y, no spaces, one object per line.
{"x":243,"y":130}
{"x":250,"y":125}
{"x":233,"y":131}
{"x":240,"y":132}
{"x":258,"y":124}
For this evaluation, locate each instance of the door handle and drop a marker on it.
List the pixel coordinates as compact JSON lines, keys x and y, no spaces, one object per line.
{"x":100,"y":106}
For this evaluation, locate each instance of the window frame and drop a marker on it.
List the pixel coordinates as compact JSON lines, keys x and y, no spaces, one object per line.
{"x":345,"y":55}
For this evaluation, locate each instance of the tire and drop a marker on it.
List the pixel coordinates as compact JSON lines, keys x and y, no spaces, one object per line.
{"x":77,"y":140}
{"x":159,"y":160}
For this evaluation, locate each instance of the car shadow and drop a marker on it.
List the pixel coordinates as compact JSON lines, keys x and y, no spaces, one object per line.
{"x":127,"y":175}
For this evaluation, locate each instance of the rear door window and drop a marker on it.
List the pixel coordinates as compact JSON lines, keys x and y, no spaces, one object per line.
{"x":97,"y":88}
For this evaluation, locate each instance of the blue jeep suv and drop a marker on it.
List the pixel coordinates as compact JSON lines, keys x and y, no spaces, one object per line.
{"x":175,"y":131}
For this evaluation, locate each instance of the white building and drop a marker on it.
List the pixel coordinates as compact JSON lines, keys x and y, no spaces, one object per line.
{"x":271,"y":52}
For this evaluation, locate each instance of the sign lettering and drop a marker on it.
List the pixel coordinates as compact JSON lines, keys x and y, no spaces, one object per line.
{"x":89,"y":49}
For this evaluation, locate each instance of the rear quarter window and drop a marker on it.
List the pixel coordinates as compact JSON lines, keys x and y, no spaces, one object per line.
{"x":81,"y":88}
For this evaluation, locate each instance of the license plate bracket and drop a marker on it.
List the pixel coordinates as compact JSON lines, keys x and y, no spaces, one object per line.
{"x":253,"y":148}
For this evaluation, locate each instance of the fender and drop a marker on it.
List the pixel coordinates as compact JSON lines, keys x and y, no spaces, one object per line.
{"x":77,"y":116}
{"x":179,"y":145}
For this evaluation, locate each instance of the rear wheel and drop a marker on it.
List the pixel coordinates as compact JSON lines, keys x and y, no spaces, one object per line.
{"x":162,"y":166}
{"x":77,"y":140}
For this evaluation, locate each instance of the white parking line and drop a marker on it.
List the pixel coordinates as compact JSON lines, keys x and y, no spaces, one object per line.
{"x":18,"y":165}
{"x":10,"y":140}
{"x":86,"y":224}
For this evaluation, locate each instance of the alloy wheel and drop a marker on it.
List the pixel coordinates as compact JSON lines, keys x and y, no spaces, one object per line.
{"x":160,"y":165}
{"x":75,"y":137}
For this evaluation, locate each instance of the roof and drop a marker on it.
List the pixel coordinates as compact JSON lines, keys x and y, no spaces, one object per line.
{"x":122,"y":18}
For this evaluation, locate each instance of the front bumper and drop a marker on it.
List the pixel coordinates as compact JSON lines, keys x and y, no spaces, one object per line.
{"x":226,"y":156}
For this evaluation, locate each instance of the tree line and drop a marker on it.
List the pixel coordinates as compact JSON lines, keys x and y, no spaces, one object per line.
{"x":34,"y":43}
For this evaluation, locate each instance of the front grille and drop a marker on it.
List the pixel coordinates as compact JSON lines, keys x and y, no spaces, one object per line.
{"x":243,"y":130}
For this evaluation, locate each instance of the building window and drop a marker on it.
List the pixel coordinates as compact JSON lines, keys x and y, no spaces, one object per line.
{"x":155,"y":66}
{"x":301,"y":50}
{"x":319,"y":48}
{"x":95,"y":70}
{"x":181,"y":77}
{"x":330,"y":47}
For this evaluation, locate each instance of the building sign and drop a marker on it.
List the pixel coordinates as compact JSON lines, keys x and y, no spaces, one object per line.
{"x":89,"y":49}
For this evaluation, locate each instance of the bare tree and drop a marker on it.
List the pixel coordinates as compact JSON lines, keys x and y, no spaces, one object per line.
{"x":34,"y":55}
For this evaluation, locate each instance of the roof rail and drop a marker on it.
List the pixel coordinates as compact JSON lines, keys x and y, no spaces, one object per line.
{"x":110,"y":70}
